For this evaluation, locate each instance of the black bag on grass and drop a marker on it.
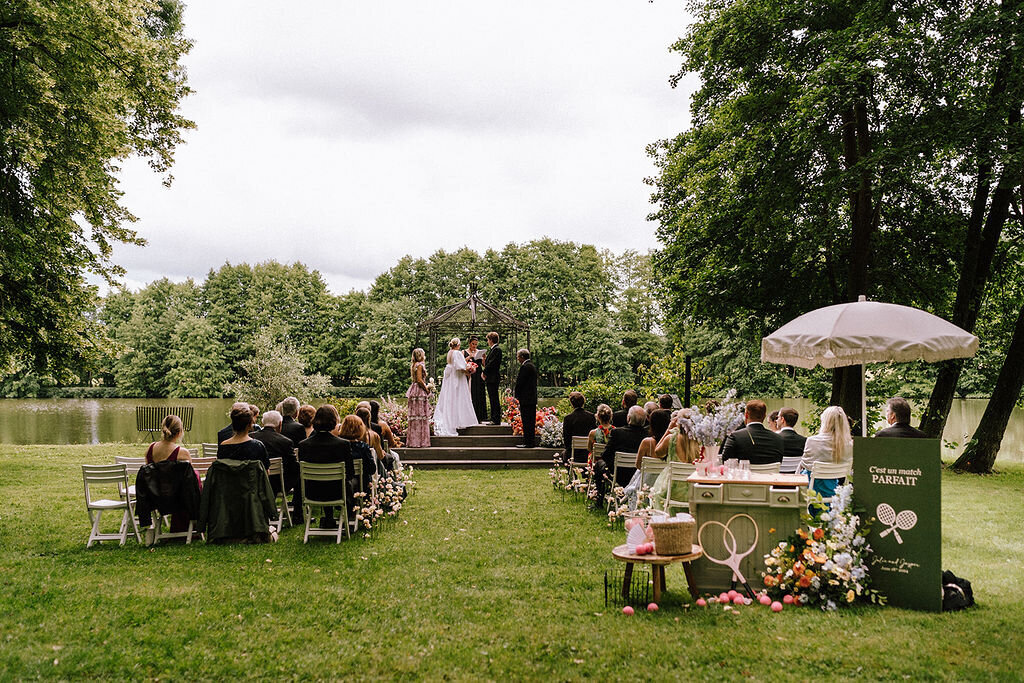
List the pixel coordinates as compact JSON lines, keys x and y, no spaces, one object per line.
{"x":956,"y":592}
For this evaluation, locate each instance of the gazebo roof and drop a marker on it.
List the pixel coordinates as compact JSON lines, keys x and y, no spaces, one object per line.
{"x":473,"y":312}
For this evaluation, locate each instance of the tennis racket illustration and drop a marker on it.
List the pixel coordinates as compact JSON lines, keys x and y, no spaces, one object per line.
{"x":729,"y":542}
{"x":906,"y":520}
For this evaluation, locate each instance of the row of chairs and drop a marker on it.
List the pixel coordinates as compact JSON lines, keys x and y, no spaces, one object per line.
{"x":123,"y":472}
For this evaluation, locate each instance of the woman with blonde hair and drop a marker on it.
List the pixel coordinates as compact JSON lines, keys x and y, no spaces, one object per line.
{"x":600,"y":433}
{"x":454,"y":408}
{"x":833,"y":443}
{"x":675,"y":446}
{"x":418,"y":397}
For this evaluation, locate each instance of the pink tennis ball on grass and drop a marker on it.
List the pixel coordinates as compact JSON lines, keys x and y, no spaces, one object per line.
{"x":738,"y":600}
{"x":653,"y":607}
{"x":724,"y":597}
{"x":764,"y":599}
{"x":627,"y":610}
{"x":787,"y":599}
{"x":733,"y":594}
{"x":701,"y":602}
{"x":777,"y":606}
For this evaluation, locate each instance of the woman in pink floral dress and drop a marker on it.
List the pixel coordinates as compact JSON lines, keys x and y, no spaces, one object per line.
{"x":419,"y":403}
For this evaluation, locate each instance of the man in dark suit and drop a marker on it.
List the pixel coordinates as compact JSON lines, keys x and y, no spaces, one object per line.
{"x":492,"y":375}
{"x":279,"y":446}
{"x":754,"y":442}
{"x":225,"y":433}
{"x":325,"y":446}
{"x":628,"y":401}
{"x":579,"y":422}
{"x":621,"y":440}
{"x":897,"y":414}
{"x":526,"y":394}
{"x":289,"y":427}
{"x":792,"y":443}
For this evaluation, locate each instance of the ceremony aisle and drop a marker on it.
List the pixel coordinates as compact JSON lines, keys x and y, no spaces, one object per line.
{"x":486,"y":575}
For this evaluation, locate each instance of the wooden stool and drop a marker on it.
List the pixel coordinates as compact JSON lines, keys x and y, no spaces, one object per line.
{"x":657,"y":563}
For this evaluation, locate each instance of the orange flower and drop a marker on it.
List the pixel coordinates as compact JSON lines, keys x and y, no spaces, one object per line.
{"x":804,"y":581}
{"x":770,"y":580}
{"x":820,"y":559}
{"x":798,"y":568}
{"x":801,"y":533}
{"x":819,"y":534}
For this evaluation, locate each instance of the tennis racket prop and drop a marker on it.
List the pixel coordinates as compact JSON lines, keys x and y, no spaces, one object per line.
{"x":904,"y":521}
{"x":729,"y":542}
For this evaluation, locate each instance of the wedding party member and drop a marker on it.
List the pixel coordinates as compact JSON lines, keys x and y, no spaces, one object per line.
{"x":325,"y":446}
{"x":754,"y":442}
{"x":629,"y":399}
{"x":305,"y":419}
{"x":419,"y":402}
{"x":833,"y":443}
{"x":792,"y":443}
{"x":622,"y":439}
{"x":477,"y":390}
{"x":454,"y":409}
{"x":526,"y":394}
{"x":603,"y":429}
{"x":225,"y":433}
{"x":579,"y":422}
{"x":278,"y":446}
{"x":492,"y":376}
{"x":897,"y":414}
{"x":289,"y":426}
{"x":241,"y":446}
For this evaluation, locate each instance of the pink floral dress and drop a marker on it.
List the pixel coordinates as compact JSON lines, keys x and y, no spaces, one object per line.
{"x":419,"y":415}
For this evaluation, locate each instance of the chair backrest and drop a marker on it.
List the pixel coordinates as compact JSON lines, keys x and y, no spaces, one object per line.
{"x":579,"y":443}
{"x":678,"y":493}
{"x":772,"y":467}
{"x":598,"y":450}
{"x":323,"y":471}
{"x":276,"y":467}
{"x":829,"y":470}
{"x":103,"y":475}
{"x":625,"y":459}
{"x":681,"y":471}
{"x":789,"y":464}
{"x":201,"y":465}
{"x":651,"y":467}
{"x":209,"y":450}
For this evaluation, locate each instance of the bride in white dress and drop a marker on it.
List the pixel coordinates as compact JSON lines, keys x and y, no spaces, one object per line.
{"x":454,"y":408}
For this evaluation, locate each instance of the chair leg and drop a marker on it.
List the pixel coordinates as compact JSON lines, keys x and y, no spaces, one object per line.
{"x":308,"y":511}
{"x":94,"y":532}
{"x":123,"y":531}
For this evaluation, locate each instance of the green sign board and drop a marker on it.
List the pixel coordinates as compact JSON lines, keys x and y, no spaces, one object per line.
{"x":897,"y":482}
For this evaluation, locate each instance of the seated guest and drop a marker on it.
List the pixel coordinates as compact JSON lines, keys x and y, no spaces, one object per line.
{"x":373,"y":439}
{"x":622,"y":440}
{"x":325,"y":446}
{"x":674,"y":446}
{"x":289,"y":427}
{"x":832,"y":443}
{"x":225,"y":433}
{"x":753,"y":442}
{"x":579,"y":422}
{"x":353,"y":430}
{"x":237,"y":502}
{"x":657,"y":426}
{"x":629,"y":399}
{"x":604,"y":427}
{"x":773,"y":420}
{"x":387,"y":437}
{"x":241,"y":446}
{"x":255,"y":417}
{"x":305,"y":418}
{"x":169,"y":449}
{"x":665,"y":403}
{"x":792,"y":443}
{"x":650,"y":407}
{"x":897,"y":414}
{"x":278,"y":446}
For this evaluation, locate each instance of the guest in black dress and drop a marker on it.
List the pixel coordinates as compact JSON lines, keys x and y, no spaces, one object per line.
{"x":241,"y":446}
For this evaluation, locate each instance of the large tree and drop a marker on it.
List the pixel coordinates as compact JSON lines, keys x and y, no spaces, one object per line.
{"x":86,"y":84}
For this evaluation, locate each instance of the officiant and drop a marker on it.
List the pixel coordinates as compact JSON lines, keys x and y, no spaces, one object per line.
{"x":476,"y":381}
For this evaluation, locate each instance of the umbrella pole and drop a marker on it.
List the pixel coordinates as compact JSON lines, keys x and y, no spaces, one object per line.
{"x":863,"y":400}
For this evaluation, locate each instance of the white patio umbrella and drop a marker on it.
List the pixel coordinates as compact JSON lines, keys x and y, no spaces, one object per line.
{"x":866,"y":332}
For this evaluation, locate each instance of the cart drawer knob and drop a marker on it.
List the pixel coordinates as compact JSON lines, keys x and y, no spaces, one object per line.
{"x":783,"y":499}
{"x":707,"y":494}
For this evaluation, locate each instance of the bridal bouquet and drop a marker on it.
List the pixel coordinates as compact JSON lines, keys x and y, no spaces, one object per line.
{"x":471,"y":367}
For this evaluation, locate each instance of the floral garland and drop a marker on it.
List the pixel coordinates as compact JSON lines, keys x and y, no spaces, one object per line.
{"x":825,"y":564}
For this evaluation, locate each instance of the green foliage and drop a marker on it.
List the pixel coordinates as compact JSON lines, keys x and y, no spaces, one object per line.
{"x":597,"y":391}
{"x":272,"y":372}
{"x":86,"y":85}
{"x":197,"y":367}
{"x":385,"y":350}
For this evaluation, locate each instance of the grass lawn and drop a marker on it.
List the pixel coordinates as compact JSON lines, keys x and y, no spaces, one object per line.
{"x":488,"y":575}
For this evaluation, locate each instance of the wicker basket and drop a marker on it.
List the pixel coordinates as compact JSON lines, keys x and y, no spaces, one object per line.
{"x":674,"y":536}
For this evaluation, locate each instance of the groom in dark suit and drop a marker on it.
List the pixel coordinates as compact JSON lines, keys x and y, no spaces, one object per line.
{"x":492,"y":375}
{"x":526,"y":393}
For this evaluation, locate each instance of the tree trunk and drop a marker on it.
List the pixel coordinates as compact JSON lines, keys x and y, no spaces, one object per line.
{"x":981,"y":240}
{"x":980,"y":454}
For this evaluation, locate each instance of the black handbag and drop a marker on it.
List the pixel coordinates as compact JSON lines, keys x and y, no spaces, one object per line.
{"x":956,"y":592}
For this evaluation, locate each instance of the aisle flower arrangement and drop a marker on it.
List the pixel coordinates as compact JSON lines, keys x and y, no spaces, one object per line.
{"x":550,"y":432}
{"x":396,"y":415}
{"x":826,"y":563}
{"x":392,"y":490}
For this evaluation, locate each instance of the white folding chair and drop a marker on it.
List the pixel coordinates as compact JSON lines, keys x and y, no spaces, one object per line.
{"x":789,"y":464}
{"x":116,"y":477}
{"x":678,"y":494}
{"x":209,"y":450}
{"x":828,"y":470}
{"x":595,"y":456}
{"x":132,"y":466}
{"x":201,"y":465}
{"x":767,"y":468}
{"x":315,"y":471}
{"x":650,"y":468}
{"x":277,"y":470}
{"x":622,"y":460}
{"x":578,"y":471}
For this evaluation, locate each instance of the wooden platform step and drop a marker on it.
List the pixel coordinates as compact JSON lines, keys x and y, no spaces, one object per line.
{"x":475,"y":441}
{"x":487,"y":430}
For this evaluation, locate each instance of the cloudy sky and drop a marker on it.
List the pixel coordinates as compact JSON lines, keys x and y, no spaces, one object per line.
{"x":346,"y":134}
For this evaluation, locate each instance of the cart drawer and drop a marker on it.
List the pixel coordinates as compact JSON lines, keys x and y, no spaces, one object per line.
{"x":783,"y":497}
{"x":706,"y":493}
{"x":746,"y":493}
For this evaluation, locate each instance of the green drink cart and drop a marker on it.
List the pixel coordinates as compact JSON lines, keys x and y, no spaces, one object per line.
{"x":743,"y":517}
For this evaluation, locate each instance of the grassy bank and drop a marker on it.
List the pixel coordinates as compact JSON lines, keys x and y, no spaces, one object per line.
{"x":489,"y":575}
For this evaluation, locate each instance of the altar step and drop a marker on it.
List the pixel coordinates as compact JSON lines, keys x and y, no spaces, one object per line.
{"x":476,"y":441}
{"x":487,"y":430}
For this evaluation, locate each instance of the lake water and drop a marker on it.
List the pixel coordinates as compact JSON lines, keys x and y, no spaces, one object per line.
{"x":60,"y":421}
